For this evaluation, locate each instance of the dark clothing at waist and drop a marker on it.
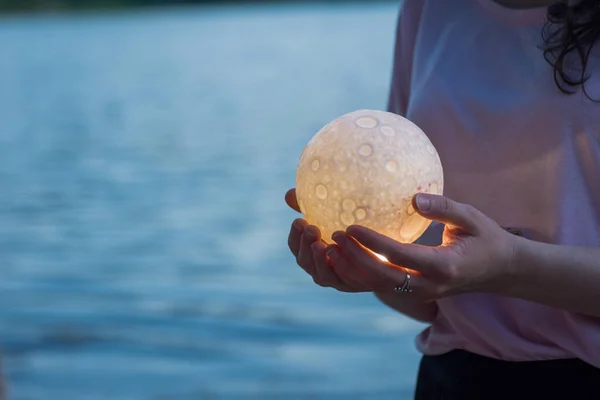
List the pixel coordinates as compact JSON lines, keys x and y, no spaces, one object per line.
{"x":461,"y":375}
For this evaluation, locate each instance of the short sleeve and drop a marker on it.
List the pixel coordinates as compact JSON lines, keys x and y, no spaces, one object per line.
{"x":406,"y":36}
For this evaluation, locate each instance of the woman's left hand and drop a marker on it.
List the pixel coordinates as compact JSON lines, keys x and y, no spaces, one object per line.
{"x":475,"y":254}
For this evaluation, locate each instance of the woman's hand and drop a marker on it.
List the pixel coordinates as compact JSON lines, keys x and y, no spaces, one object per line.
{"x":312,"y":255}
{"x":310,"y":251}
{"x":475,"y":254}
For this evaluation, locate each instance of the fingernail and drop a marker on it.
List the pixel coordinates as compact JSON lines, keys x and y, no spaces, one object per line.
{"x":297,"y":224}
{"x":423,"y":203}
{"x":313,"y":232}
{"x":351,"y":228}
{"x":339,"y":238}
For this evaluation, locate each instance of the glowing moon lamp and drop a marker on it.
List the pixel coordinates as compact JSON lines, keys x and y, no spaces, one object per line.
{"x":364,"y":168}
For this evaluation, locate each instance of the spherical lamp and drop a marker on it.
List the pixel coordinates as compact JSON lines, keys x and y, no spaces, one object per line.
{"x":364,"y":168}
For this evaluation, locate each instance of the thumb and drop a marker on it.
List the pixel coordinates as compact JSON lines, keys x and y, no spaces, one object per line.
{"x":291,"y":200}
{"x":449,"y":212}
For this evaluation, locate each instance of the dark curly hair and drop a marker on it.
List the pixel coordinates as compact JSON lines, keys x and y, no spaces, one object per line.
{"x":571,"y":29}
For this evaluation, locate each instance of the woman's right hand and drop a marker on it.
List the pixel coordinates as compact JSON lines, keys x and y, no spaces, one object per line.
{"x":311,"y":252}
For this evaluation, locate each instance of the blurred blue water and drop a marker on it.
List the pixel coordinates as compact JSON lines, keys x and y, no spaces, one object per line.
{"x":143,"y":162}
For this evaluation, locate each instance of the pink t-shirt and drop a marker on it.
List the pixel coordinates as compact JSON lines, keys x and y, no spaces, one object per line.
{"x":470,"y":73}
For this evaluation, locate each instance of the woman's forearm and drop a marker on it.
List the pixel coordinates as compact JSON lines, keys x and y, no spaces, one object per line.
{"x":415,"y":309}
{"x":564,"y":277}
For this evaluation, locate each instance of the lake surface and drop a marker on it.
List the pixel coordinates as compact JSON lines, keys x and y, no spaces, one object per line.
{"x":143,"y":235}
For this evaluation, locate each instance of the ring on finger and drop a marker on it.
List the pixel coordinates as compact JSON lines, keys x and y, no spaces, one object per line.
{"x":405,"y":287}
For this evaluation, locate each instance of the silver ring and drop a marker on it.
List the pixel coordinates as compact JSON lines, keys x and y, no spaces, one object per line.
{"x":405,"y":286}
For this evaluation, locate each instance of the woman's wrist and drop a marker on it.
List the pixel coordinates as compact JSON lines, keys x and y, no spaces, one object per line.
{"x":559,"y":276}
{"x":521,"y":269}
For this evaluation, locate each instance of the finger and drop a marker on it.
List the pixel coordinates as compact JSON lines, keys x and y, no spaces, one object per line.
{"x":386,"y":277}
{"x":449,"y":212}
{"x":324,"y":272}
{"x":380,"y":274}
{"x":310,"y":234}
{"x":295,"y":235}
{"x":291,"y":200}
{"x":343,"y":269}
{"x":414,"y":256}
{"x":324,"y":275}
